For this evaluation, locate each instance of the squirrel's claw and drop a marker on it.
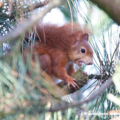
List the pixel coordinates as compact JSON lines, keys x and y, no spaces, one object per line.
{"x":74,"y":84}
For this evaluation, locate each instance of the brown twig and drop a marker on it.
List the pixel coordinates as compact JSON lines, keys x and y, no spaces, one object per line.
{"x":41,"y":4}
{"x":38,"y":5}
{"x":70,"y":13}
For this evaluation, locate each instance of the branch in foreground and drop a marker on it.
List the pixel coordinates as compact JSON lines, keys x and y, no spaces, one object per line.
{"x":41,"y":4}
{"x":93,"y":96}
{"x":38,"y":5}
{"x":112,"y":8}
{"x":22,"y":28}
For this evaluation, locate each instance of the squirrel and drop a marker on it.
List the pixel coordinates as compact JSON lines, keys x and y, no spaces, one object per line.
{"x":60,"y":47}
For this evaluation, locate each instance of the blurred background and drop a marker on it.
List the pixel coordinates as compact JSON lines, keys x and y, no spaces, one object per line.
{"x":27,"y":94}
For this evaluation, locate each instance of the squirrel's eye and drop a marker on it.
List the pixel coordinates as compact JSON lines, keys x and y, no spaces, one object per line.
{"x":83,"y":50}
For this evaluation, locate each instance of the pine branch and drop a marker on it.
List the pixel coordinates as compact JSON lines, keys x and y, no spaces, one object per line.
{"x":38,"y":5}
{"x":41,"y":4}
{"x":26,"y":10}
{"x":79,"y":103}
{"x":112,"y":8}
{"x":22,"y":28}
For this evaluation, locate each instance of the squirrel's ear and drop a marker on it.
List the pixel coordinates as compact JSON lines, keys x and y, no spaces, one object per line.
{"x":85,"y":36}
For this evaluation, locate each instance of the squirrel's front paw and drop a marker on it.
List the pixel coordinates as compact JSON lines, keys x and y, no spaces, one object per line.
{"x":72,"y":82}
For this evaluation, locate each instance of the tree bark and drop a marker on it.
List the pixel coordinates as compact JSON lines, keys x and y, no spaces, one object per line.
{"x":111,"y":7}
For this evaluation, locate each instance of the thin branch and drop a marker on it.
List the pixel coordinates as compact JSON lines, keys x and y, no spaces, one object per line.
{"x":38,"y":5}
{"x":22,"y":28}
{"x":70,"y":13}
{"x":98,"y":77}
{"x":79,"y":103}
{"x":41,"y":4}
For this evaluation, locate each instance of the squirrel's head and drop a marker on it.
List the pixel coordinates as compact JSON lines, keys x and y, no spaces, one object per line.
{"x":80,"y":51}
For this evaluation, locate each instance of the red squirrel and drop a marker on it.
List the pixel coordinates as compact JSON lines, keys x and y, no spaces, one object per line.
{"x":60,"y":47}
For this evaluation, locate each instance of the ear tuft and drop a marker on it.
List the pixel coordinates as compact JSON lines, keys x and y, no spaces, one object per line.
{"x":75,"y":43}
{"x":85,"y":36}
{"x":78,"y":36}
{"x":76,"y":39}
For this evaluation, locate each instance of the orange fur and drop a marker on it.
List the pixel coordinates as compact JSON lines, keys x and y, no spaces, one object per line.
{"x":60,"y":47}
